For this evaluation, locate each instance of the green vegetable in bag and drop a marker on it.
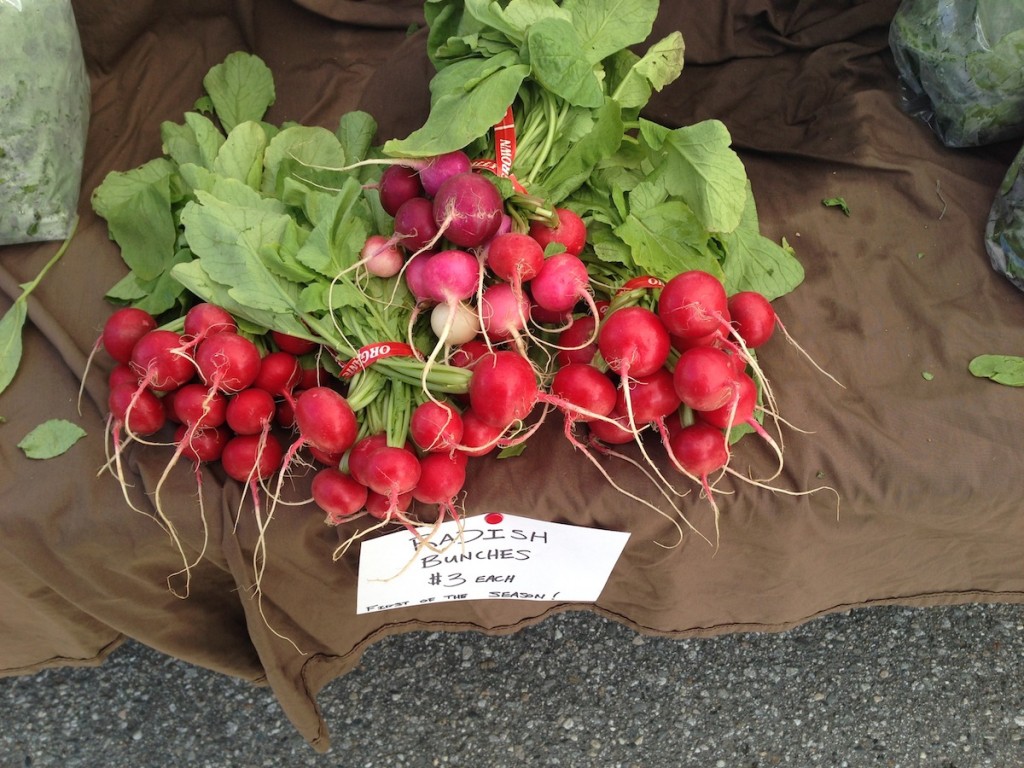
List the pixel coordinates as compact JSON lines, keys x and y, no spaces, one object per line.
{"x":44,"y":90}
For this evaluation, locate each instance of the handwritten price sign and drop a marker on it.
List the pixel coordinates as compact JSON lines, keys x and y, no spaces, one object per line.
{"x":495,"y":557}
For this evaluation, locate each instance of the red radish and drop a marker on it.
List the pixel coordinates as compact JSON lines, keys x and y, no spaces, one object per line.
{"x":503,"y":312}
{"x":284,"y":416}
{"x":503,"y":388}
{"x":704,"y":378}
{"x":589,"y":391}
{"x":397,"y":184}
{"x":227,"y":361}
{"x":753,"y":317}
{"x":651,"y":397}
{"x":337,"y":494}
{"x":468,"y":209}
{"x":325,"y":419}
{"x":362,"y":450}
{"x":139,"y":410}
{"x":542,"y":316}
{"x":314,"y":376}
{"x":198,"y":407}
{"x":466,"y":355}
{"x":205,"y":319}
{"x":570,"y":232}
{"x":381,"y":256}
{"x":633,"y":341}
{"x":251,"y":458}
{"x":738,"y":410}
{"x":122,"y":374}
{"x":156,"y":358}
{"x":693,"y":304}
{"x":578,"y":342}
{"x":250,"y":411}
{"x":327,"y":459}
{"x":392,"y":472}
{"x":385,"y":508}
{"x":435,"y":171}
{"x":123,"y":329}
{"x":435,"y":427}
{"x":562,"y":281}
{"x":699,"y":450}
{"x":478,"y":437}
{"x":202,"y":446}
{"x":415,"y":225}
{"x":293,"y":344}
{"x":279,"y":373}
{"x":514,"y":257}
{"x":442,"y":476}
{"x":613,"y":431}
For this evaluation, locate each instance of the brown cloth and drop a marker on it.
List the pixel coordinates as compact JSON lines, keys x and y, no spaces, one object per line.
{"x":927,"y":471}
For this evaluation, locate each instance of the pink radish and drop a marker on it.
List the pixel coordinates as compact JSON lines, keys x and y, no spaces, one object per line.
{"x":739,"y":409}
{"x":382,"y":256}
{"x":613,"y":431}
{"x":435,"y":171}
{"x":503,"y":312}
{"x":693,"y":304}
{"x":442,"y":477}
{"x":468,"y":209}
{"x":562,"y":282}
{"x":392,"y":472}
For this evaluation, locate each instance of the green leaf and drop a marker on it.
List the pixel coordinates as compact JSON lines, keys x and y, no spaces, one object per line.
{"x":11,"y":326}
{"x":460,"y":116}
{"x":241,"y":156}
{"x":836,"y":202}
{"x":668,"y":239}
{"x":522,"y":14}
{"x":197,"y":141}
{"x":51,"y":438}
{"x":309,"y":153}
{"x":558,"y":62}
{"x":1002,"y":369}
{"x":697,"y":163}
{"x":137,"y":207}
{"x":241,"y":88}
{"x":661,"y":65}
{"x":355,"y":135}
{"x":577,"y":164}
{"x":607,"y":26}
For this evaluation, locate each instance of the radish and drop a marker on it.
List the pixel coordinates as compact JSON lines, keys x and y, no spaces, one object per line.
{"x":435,"y":427}
{"x":704,"y":378}
{"x":479,"y":437}
{"x":392,"y":472}
{"x":570,"y":232}
{"x":651,"y":398}
{"x":415,"y":225}
{"x":157,"y":360}
{"x":699,"y":450}
{"x":449,"y":278}
{"x":205,"y":319}
{"x":397,"y":184}
{"x":515,"y":258}
{"x":578,"y":342}
{"x":139,"y":411}
{"x":337,"y":494}
{"x":455,"y":323}
{"x":381,"y":256}
{"x":633,"y":341}
{"x":503,"y":312}
{"x":386,"y":509}
{"x":251,"y":411}
{"x":503,"y":388}
{"x":279,"y":373}
{"x":251,"y":458}
{"x":693,"y":304}
{"x":442,"y":477}
{"x":435,"y":171}
{"x":561,"y":283}
{"x":123,"y":329}
{"x":467,"y":354}
{"x":194,"y":405}
{"x":201,"y":446}
{"x":739,"y":409}
{"x":588,"y":393}
{"x":362,"y":450}
{"x":415,"y":269}
{"x":325,"y":420}
{"x":468,"y":209}
{"x":293,"y":344}
{"x":122,"y":373}
{"x":753,"y":317}
{"x":227,"y":362}
{"x":614,"y":430}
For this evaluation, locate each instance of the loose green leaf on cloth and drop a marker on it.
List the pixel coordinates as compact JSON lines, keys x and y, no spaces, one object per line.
{"x":1002,"y":369}
{"x":51,"y":438}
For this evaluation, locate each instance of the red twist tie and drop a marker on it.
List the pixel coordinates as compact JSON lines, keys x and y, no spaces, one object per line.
{"x":371,"y":353}
{"x":643,"y":282}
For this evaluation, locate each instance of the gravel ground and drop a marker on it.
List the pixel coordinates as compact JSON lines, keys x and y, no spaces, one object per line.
{"x":878,"y":687}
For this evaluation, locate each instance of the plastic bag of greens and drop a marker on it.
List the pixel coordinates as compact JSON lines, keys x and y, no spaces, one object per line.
{"x":44,"y":116}
{"x":1004,"y":234}
{"x":961,"y":67}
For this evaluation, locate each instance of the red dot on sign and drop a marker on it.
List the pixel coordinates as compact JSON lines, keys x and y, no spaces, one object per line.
{"x":494,"y":518}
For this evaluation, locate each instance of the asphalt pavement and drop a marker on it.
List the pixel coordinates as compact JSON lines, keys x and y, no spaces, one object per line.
{"x":889,"y":686}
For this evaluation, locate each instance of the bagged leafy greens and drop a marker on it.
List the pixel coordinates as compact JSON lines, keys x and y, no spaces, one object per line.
{"x":1004,"y":233}
{"x":961,"y":67}
{"x":44,"y":116}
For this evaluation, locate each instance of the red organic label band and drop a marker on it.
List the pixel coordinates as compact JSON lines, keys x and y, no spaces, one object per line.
{"x":505,"y":142}
{"x":371,"y":353}
{"x":641,"y":283}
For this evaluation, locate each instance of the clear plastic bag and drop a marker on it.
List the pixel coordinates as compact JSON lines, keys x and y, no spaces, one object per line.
{"x":961,"y":67}
{"x":44,"y":117}
{"x":1004,"y":233}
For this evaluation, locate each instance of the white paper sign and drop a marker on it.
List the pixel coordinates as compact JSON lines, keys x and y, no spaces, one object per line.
{"x":495,"y":557}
